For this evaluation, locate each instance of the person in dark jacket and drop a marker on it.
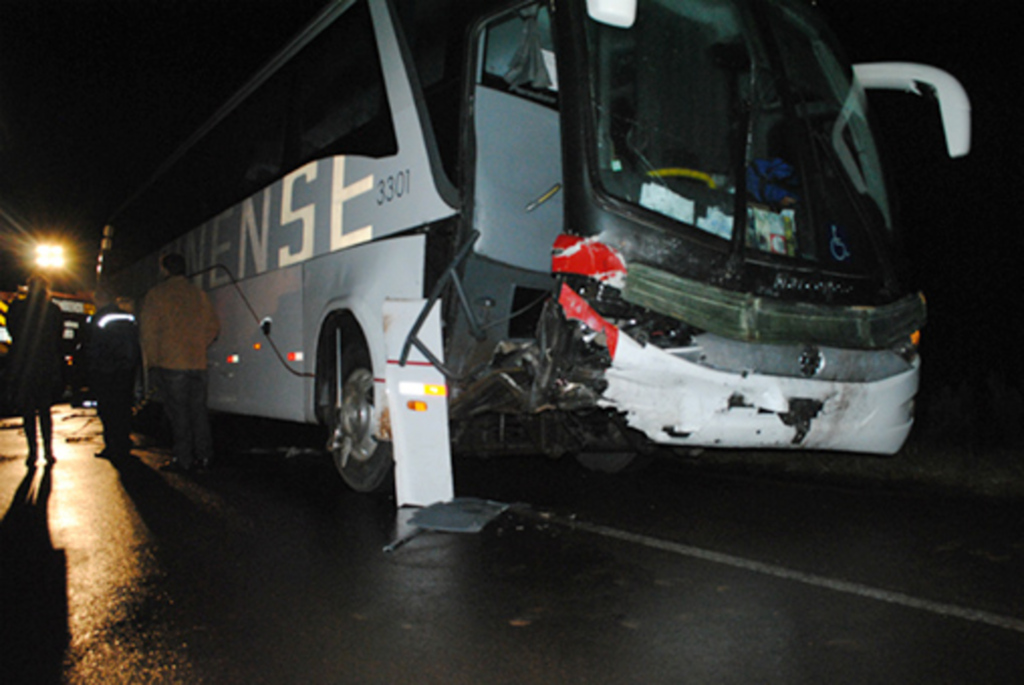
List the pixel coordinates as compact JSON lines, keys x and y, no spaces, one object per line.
{"x":113,"y":356}
{"x":35,"y":378}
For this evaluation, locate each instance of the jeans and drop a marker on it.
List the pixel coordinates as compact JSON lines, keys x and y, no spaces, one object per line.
{"x":184,"y":397}
{"x":115,"y":395}
{"x":28,"y":421}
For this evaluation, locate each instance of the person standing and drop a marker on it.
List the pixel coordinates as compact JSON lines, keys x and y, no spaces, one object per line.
{"x":177,"y":324}
{"x":35,"y":379}
{"x":113,"y":354}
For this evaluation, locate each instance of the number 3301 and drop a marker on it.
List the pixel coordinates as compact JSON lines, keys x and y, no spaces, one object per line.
{"x":393,"y":187}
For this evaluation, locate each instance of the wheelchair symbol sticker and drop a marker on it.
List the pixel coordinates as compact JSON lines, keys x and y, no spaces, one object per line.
{"x":837,"y":244}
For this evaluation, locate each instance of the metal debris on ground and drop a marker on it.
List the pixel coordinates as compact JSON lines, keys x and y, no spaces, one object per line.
{"x":460,"y":515}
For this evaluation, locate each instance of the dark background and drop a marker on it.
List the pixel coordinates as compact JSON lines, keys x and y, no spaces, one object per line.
{"x":958,"y":216}
{"x":94,"y":94}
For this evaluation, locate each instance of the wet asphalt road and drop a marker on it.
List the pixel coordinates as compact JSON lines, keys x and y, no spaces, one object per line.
{"x":267,"y":570}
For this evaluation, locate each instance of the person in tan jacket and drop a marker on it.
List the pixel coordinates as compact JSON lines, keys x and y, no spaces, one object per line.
{"x":176,"y":326}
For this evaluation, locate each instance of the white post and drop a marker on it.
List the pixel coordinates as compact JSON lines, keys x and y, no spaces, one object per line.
{"x":418,"y":405}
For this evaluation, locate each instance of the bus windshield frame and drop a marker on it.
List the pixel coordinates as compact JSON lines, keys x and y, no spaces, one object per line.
{"x":739,"y":120}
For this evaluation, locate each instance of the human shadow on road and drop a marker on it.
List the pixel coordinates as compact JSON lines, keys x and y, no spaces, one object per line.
{"x":164,"y":508}
{"x":33,"y":587}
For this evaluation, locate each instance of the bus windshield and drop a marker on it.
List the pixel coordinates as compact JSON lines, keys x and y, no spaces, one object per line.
{"x":739,"y":120}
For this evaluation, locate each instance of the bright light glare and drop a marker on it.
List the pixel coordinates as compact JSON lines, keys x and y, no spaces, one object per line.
{"x":50,"y":256}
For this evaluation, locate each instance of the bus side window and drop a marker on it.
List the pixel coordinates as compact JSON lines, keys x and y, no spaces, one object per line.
{"x":261,"y":127}
{"x":435,"y":31}
{"x":520,"y":58}
{"x":340,"y":105}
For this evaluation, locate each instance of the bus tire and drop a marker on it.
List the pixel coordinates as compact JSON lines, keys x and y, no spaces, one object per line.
{"x":365,"y":463}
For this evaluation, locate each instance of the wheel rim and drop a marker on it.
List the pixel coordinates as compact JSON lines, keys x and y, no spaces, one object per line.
{"x":354,"y":434}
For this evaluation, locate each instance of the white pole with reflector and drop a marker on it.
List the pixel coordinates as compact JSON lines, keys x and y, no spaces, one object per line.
{"x":418,"y":404}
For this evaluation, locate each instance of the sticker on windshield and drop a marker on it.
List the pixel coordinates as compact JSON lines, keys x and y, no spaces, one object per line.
{"x":771,"y":231}
{"x":838,"y":244}
{"x":661,"y":199}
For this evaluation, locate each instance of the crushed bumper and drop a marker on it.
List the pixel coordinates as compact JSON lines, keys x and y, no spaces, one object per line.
{"x":675,"y":401}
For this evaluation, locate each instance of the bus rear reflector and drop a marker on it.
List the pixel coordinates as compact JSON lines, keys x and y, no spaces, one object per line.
{"x":295,"y":356}
{"x":422,"y":389}
{"x":233,"y":359}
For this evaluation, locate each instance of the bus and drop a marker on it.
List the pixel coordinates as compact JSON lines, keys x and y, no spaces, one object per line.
{"x":649,"y":225}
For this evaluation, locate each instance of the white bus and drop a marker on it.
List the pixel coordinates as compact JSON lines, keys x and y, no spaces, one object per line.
{"x":648,"y":223}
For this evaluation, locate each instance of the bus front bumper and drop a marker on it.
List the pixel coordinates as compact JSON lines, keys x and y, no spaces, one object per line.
{"x":678,"y":402}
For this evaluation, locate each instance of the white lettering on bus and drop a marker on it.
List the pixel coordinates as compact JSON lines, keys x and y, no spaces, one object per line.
{"x":250,"y":230}
{"x":305,"y":214}
{"x":218,"y":277}
{"x":340,"y":194}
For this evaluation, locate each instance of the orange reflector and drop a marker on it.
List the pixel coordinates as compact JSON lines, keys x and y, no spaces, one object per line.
{"x":257,"y":346}
{"x":915,"y":338}
{"x":416,"y":405}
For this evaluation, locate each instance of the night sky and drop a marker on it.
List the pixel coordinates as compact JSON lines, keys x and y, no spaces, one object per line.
{"x":94,"y":94}
{"x":960,"y":217}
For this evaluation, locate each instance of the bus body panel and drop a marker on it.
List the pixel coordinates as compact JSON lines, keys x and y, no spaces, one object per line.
{"x":518,"y":203}
{"x":325,"y":206}
{"x":245,"y":377}
{"x":358,"y":281}
{"x":311,"y":222}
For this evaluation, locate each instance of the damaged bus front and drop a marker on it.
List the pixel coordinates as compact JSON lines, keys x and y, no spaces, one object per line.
{"x":648,"y":222}
{"x":729,"y":272}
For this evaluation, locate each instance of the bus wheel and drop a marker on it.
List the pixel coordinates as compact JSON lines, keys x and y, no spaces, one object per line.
{"x":363,"y":462}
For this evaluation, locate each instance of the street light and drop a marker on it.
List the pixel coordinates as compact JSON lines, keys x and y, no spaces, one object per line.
{"x":49,"y":256}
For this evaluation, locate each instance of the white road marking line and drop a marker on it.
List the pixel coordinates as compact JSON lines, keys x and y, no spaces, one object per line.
{"x":898,"y":598}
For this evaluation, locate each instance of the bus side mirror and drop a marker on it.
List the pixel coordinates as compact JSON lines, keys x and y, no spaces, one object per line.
{"x":954,"y":105}
{"x":618,"y":13}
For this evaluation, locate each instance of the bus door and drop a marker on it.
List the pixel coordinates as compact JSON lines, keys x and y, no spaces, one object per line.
{"x":515,"y":175}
